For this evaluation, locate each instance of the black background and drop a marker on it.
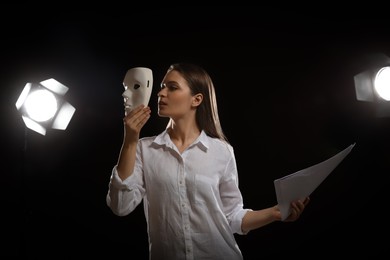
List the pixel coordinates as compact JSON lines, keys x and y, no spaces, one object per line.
{"x":286,"y":96}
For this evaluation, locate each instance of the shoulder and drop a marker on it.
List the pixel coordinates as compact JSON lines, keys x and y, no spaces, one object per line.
{"x":219,"y":146}
{"x":160,"y":139}
{"x":147,"y":140}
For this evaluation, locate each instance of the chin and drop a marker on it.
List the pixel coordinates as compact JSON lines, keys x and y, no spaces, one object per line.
{"x":162,"y":114}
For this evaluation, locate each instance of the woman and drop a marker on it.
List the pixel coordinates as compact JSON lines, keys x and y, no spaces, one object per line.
{"x":186,"y":176}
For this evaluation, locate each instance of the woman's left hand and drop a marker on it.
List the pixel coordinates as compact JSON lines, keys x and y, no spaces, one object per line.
{"x":297,"y":208}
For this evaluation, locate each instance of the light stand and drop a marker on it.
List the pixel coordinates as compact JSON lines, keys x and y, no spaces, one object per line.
{"x":41,"y":106}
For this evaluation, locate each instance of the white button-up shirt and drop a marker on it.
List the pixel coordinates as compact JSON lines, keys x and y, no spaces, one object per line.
{"x":192,"y":201}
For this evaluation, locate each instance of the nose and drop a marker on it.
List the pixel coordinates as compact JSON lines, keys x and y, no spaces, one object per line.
{"x":126,"y":94}
{"x":161,"y":92}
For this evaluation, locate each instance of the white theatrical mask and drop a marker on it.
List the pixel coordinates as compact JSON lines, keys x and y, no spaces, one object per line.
{"x":138,"y":83}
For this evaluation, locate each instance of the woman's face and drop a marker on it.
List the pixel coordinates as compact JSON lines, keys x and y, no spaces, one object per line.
{"x":174,"y":98}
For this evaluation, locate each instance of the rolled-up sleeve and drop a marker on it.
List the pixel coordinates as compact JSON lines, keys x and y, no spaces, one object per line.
{"x":232,"y":198}
{"x":124,"y":196}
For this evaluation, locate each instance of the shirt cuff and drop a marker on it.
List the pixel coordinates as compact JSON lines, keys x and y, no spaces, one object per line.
{"x":117,"y":182}
{"x":236,"y":224}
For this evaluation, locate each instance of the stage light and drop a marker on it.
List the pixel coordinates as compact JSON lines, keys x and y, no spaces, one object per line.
{"x":382,"y":83}
{"x":373,"y":84}
{"x":42,"y":106}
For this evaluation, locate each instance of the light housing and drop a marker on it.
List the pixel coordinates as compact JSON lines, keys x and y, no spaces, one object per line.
{"x":42,"y":106}
{"x":373,"y":84}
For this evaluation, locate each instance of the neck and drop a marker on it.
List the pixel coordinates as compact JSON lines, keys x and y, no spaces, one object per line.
{"x":182,"y":135}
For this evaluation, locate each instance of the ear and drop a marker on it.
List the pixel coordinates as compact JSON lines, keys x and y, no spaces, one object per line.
{"x":197,"y":99}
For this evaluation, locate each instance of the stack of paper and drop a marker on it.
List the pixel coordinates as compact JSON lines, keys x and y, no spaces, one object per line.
{"x":301,"y":184}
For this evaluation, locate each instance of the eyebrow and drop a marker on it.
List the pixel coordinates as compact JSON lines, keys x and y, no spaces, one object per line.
{"x":170,"y":82}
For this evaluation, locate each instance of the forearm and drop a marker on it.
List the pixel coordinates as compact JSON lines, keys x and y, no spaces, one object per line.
{"x":259,"y":218}
{"x":126,"y":161}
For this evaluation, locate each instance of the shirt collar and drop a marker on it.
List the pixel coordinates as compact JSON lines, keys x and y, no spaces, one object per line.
{"x":203,"y":141}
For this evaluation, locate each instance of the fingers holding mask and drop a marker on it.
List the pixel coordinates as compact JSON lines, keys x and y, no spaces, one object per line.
{"x":136,"y":118}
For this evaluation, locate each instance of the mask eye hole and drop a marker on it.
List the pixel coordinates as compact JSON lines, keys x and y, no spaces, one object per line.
{"x":137,"y":86}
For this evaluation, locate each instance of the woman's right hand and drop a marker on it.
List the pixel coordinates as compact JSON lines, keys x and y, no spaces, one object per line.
{"x":134,"y":121}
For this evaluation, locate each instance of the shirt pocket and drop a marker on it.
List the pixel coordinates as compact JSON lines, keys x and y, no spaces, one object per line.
{"x":205,"y":189}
